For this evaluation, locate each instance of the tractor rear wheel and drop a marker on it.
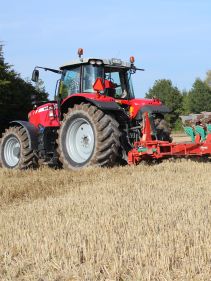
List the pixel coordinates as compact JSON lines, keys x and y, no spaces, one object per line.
{"x":14,"y":149}
{"x":88,"y":136}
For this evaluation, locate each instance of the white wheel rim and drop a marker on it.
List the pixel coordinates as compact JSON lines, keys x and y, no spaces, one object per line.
{"x":80,"y":140}
{"x":12,"y":150}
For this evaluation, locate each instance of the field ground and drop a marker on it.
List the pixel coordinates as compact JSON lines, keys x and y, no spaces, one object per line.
{"x":180,"y":137}
{"x":149,"y":222}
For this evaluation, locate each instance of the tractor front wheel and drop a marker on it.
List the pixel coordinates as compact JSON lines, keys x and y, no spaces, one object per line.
{"x":14,"y":149}
{"x":87,"y":136}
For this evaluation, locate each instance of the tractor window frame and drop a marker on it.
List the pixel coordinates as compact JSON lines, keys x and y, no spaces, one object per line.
{"x":130,"y":85}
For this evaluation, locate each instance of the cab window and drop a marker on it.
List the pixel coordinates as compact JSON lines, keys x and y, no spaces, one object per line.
{"x":90,"y":74}
{"x":70,"y":82}
{"x":119,"y":81}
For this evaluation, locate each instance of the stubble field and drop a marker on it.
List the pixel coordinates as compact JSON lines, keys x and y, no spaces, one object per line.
{"x":125,"y":223}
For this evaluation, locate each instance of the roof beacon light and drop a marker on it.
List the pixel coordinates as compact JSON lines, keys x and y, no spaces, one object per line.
{"x":132,"y":59}
{"x":80,"y":52}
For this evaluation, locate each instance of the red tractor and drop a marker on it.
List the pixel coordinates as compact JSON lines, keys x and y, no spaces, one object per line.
{"x":95,"y":119}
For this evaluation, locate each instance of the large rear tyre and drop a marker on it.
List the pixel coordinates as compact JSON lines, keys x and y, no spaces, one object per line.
{"x":88,"y":136}
{"x":14,"y":149}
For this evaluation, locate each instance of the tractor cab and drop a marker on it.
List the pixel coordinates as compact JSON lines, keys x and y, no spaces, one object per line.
{"x":79,"y":77}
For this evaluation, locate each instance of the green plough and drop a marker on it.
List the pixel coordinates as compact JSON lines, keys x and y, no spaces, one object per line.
{"x":197,"y":125}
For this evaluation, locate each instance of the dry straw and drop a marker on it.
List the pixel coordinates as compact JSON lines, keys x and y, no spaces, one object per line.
{"x":126,"y":223}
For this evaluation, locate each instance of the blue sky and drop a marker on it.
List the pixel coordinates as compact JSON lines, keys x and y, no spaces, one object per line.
{"x":170,"y":39}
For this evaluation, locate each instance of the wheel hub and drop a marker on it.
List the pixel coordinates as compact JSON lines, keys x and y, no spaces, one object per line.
{"x":80,"y":140}
{"x":12,"y":150}
{"x":85,"y":141}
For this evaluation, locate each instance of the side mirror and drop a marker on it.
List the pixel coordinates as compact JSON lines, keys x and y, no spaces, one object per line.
{"x":35,"y":75}
{"x":98,"y":85}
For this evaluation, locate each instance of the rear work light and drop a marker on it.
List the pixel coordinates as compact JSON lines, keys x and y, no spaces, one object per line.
{"x":99,"y":62}
{"x":96,"y":62}
{"x":92,"y":61}
{"x":51,"y":112}
{"x":116,"y":61}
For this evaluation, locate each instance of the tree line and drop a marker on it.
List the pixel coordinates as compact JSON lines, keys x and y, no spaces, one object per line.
{"x":17,"y":95}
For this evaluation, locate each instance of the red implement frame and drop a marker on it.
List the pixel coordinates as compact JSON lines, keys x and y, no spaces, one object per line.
{"x":147,"y":148}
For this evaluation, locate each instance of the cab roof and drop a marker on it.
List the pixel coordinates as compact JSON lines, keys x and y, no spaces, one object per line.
{"x":113,"y":62}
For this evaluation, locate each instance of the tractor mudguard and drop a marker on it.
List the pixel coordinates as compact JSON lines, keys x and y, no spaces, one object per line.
{"x":152,"y":109}
{"x":103,"y":105}
{"x":106,"y":105}
{"x":113,"y":107}
{"x":31,"y":130}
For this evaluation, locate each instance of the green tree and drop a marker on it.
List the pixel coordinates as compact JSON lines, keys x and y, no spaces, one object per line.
{"x":3,"y":69}
{"x":1,"y":53}
{"x":208,"y":78}
{"x":16,"y":94}
{"x":199,"y":97}
{"x":170,"y":96}
{"x":186,"y":102}
{"x":39,"y":86}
